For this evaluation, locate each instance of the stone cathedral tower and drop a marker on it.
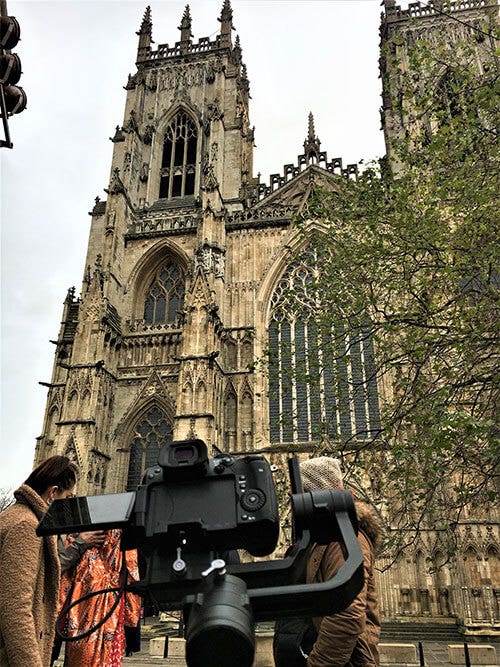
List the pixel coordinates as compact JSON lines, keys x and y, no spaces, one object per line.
{"x":186,"y":284}
{"x":182,"y":274}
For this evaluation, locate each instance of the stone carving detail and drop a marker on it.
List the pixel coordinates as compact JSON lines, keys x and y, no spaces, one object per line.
{"x":116,"y":184}
{"x":203,"y":258}
{"x":143,"y":176}
{"x":126,"y":162}
{"x":118,"y":136}
{"x":210,"y":74}
{"x":110,"y":220}
{"x":219,"y":263}
{"x":131,"y":82}
{"x":214,"y":152}
{"x":210,"y":182}
{"x":148,"y":134}
{"x":152,"y":80}
{"x":131,"y":125}
{"x":271,"y":212}
{"x":165,"y":222}
{"x":213,"y":110}
{"x":182,"y":77}
{"x":211,"y":258}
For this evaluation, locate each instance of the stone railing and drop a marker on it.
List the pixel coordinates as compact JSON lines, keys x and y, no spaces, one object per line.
{"x":149,"y":346}
{"x":152,"y":225}
{"x":202,"y":46}
{"x":290,"y":171}
{"x":266,"y":213}
{"x":419,"y":10}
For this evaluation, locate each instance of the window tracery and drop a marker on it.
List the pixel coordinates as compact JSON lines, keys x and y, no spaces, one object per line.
{"x":165,"y":297}
{"x":151,"y":433}
{"x":322,"y":379}
{"x":178,"y":165}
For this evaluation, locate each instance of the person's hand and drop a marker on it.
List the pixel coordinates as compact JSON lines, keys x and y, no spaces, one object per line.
{"x":94,"y":538}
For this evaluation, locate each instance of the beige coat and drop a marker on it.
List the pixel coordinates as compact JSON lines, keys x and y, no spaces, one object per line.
{"x":29,"y":584}
{"x":350,"y":636}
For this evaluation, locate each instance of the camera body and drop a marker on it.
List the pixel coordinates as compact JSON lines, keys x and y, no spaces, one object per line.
{"x":205,"y":504}
{"x":187,"y":518}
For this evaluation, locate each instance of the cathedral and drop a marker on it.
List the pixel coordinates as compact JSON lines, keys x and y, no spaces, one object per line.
{"x":186,"y":286}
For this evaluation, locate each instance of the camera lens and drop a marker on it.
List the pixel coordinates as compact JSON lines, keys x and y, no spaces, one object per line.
{"x":220,"y":631}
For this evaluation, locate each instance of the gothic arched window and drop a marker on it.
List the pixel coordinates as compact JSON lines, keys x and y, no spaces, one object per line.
{"x":321,"y":376}
{"x":178,"y":164}
{"x":153,"y":431}
{"x":165,"y":296}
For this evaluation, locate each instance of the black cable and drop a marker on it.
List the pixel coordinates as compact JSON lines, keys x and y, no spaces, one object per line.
{"x":64,"y":611}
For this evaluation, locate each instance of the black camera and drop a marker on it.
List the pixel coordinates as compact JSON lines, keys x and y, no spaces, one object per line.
{"x":211,"y":503}
{"x":189,"y":514}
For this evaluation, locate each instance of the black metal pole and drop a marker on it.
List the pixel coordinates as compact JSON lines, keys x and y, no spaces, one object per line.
{"x":3,"y":108}
{"x":421,"y":654}
{"x":467,"y":655}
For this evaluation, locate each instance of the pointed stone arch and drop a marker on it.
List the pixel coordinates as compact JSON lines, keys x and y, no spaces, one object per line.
{"x":178,"y":142}
{"x":86,"y":397}
{"x":293,"y":244}
{"x":171,"y":112}
{"x":246,"y":417}
{"x":230,"y":409}
{"x":73,"y":452}
{"x":153,"y":396}
{"x":72,"y":403}
{"x":200,"y":397}
{"x":141,"y":278}
{"x":199,"y":294}
{"x":146,"y":429}
{"x":320,"y":378}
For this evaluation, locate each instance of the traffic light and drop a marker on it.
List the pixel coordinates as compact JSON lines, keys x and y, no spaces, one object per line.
{"x":12,"y":97}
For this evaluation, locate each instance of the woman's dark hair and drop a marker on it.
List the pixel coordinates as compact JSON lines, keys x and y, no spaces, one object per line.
{"x":57,"y":471}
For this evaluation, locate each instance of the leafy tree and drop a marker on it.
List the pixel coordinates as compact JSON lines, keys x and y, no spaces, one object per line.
{"x":6,"y":499}
{"x":408,"y":258}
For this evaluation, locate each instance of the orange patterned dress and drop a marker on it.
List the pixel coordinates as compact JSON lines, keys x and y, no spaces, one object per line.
{"x":99,"y":568}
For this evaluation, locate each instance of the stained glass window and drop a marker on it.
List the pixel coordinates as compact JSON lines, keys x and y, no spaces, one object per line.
{"x":151,"y":433}
{"x":178,"y":165}
{"x":321,"y":377}
{"x":165,"y":297}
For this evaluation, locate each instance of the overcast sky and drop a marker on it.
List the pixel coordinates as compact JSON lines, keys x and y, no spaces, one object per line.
{"x":301,"y":55}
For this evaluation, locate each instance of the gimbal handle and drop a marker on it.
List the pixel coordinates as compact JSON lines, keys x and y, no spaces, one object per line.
{"x":327,"y":597}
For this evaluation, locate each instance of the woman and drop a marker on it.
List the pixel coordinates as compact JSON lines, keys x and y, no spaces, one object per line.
{"x":98,"y":569}
{"x":349,"y":637}
{"x":29,"y":567}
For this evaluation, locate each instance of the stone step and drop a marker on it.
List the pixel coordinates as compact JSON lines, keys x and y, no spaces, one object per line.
{"x":420,"y":631}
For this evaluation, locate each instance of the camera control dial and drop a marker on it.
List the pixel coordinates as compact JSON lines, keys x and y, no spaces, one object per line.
{"x":253,"y":500}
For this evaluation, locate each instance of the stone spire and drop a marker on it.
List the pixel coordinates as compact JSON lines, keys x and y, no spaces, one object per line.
{"x":185,"y":28}
{"x":236,"y":56}
{"x":312,"y":144}
{"x":145,"y":33}
{"x":226,"y":21}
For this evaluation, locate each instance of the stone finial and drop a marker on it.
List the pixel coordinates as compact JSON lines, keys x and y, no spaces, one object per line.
{"x":185,"y":26}
{"x":312,"y":143}
{"x":70,"y":296}
{"x":145,"y":33}
{"x":227,"y":12}
{"x":226,"y":21}
{"x":310,"y":127}
{"x":147,"y":24}
{"x":389,"y":4}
